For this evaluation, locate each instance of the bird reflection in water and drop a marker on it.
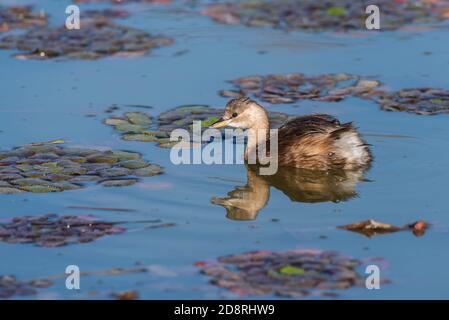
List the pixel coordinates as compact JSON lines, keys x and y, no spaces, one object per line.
{"x":245,"y":202}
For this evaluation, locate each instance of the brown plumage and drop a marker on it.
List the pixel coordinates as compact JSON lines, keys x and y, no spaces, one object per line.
{"x":316,"y":142}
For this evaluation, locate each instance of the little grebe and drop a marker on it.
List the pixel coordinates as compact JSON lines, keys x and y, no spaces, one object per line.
{"x":315,"y":142}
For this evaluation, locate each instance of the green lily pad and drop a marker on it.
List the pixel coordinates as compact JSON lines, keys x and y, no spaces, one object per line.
{"x":134,"y":164}
{"x":336,"y":11}
{"x":292,"y":270}
{"x":138,"y":118}
{"x":27,"y":168}
{"x":126,"y":155}
{"x":181,"y":117}
{"x":41,"y":188}
{"x":149,"y":171}
{"x":118,"y":182}
{"x":129,"y":128}
{"x":140,"y":137}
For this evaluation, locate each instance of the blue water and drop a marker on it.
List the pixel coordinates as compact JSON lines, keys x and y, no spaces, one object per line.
{"x":46,"y":100}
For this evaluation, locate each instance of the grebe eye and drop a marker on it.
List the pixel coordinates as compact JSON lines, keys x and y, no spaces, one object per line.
{"x":234,"y":115}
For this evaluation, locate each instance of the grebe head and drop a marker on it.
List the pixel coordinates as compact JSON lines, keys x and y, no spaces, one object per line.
{"x":243,"y":113}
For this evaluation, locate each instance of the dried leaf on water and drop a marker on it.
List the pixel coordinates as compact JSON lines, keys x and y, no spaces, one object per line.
{"x":126,"y":295}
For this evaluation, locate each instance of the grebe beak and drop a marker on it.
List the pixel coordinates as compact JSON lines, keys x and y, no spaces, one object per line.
{"x":221,"y":123}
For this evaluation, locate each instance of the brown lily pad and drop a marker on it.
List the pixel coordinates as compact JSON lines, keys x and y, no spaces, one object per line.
{"x":421,"y":101}
{"x":53,"y":230}
{"x":293,"y":87}
{"x":295,"y":273}
{"x":109,"y":13}
{"x":97,"y":38}
{"x":321,"y":15}
{"x":125,"y":1}
{"x":10,"y":286}
{"x":20,"y":17}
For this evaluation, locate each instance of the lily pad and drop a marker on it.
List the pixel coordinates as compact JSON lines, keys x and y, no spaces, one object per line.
{"x":28,"y":168}
{"x":118,"y":182}
{"x":20,"y":17}
{"x":8,"y":190}
{"x":54,"y":230}
{"x":293,"y":87}
{"x":292,"y":270}
{"x":421,"y":101}
{"x":181,"y":117}
{"x":322,"y":15}
{"x":10,"y":286}
{"x":124,"y":1}
{"x":295,"y":273}
{"x":109,"y":13}
{"x":98,"y":38}
{"x":138,"y":118}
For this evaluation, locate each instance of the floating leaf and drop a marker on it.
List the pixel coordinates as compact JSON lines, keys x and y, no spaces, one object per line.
{"x":293,"y":87}
{"x":336,"y":11}
{"x":371,"y":227}
{"x":41,"y":168}
{"x":104,"y":38}
{"x":291,"y":270}
{"x":322,"y":15}
{"x":295,"y":273}
{"x":20,"y":17}
{"x":53,"y":230}
{"x":421,"y":101}
{"x":10,"y":286}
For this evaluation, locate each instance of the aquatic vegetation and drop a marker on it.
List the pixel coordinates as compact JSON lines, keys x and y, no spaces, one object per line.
{"x":109,"y":13}
{"x":98,"y":38}
{"x":53,"y":230}
{"x":372,"y":228}
{"x":10,"y":286}
{"x":125,"y":295}
{"x":293,"y":87}
{"x":20,"y":17}
{"x":295,"y":273}
{"x":51,"y":168}
{"x":422,"y":101}
{"x":138,"y":126}
{"x":124,"y":1}
{"x":320,"y":15}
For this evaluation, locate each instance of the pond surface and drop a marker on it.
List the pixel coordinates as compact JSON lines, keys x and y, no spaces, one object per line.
{"x":48,"y":100}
